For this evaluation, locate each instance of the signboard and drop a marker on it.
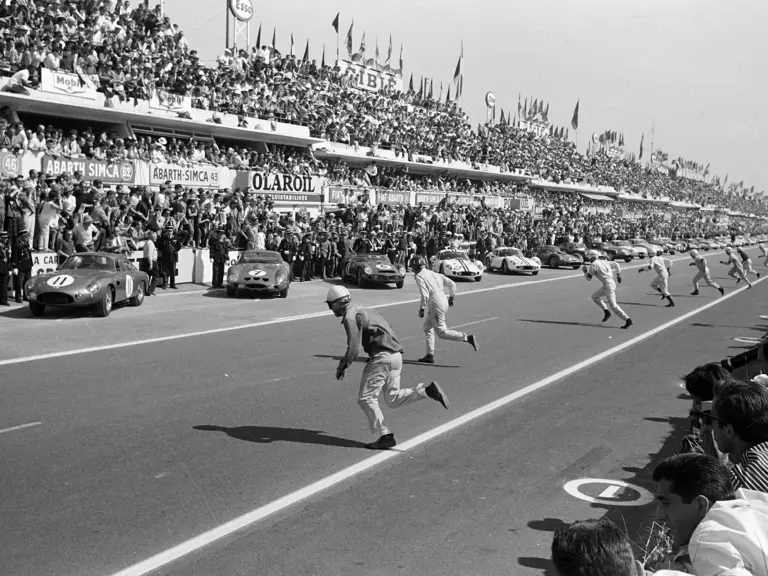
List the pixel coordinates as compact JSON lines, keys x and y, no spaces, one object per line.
{"x":490,"y":100}
{"x":431,"y":198}
{"x":372,"y":79}
{"x":162,"y":100}
{"x":107,"y":172}
{"x":538,"y":128}
{"x":463,"y":199}
{"x":494,"y":201}
{"x":67,"y":83}
{"x":10,"y":164}
{"x":341,"y":195}
{"x":44,"y":262}
{"x":197,"y":176}
{"x":524,"y":204}
{"x":390,"y":197}
{"x":241,"y":9}
{"x":292,"y":183}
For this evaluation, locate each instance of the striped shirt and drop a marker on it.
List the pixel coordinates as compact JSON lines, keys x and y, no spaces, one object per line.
{"x":752,"y":472}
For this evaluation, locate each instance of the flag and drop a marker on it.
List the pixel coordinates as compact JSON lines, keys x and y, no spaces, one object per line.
{"x":519,"y":107}
{"x":545,"y":114}
{"x":389,"y":52}
{"x":335,"y":22}
{"x":535,"y":108}
{"x":376,"y":54}
{"x":349,"y":38}
{"x":401,"y":59}
{"x":305,"y":58}
{"x":362,"y":45}
{"x":448,"y":96}
{"x":421,"y":88}
{"x":441,"y":92}
{"x":322,"y":63}
{"x":642,"y":139}
{"x":566,"y":133}
{"x":575,"y":119}
{"x":541,"y":107}
{"x":291,"y":43}
{"x":457,"y":72}
{"x":274,"y":38}
{"x":410,"y":84}
{"x":431,"y":86}
{"x":460,"y":89}
{"x":552,"y":130}
{"x":501,"y":119}
{"x":525,"y":109}
{"x":258,"y":38}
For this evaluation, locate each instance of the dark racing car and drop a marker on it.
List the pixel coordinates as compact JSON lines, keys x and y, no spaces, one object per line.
{"x":553,"y":257}
{"x":261,"y":272}
{"x":615,"y":252}
{"x":364,"y":269}
{"x":90,"y":279}
{"x":573,"y":248}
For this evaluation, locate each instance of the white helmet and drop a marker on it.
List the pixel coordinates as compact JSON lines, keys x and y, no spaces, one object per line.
{"x":694,"y":253}
{"x":591,"y":255}
{"x":336,"y":293}
{"x":728,"y":250}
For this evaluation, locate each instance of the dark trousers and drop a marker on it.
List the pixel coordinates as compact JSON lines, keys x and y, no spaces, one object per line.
{"x":218,"y":273}
{"x":168,"y":273}
{"x":322,"y":265}
{"x":152,"y":273}
{"x":3,"y":288}
{"x":19,"y":285}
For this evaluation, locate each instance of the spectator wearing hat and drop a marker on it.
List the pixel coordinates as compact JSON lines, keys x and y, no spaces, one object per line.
{"x":6,"y":268}
{"x":84,"y":233}
{"x":169,"y":256}
{"x":21,"y":258}
{"x":219,"y":255}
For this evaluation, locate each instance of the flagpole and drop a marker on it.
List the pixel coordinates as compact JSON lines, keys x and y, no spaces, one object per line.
{"x":337,"y":47}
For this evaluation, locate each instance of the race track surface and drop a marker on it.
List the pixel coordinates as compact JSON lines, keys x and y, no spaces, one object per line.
{"x":162,"y":423}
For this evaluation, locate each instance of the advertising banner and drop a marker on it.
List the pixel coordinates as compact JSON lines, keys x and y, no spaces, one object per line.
{"x":162,"y":100}
{"x":389,"y":197}
{"x":497,"y":202}
{"x":463,"y":199}
{"x":372,"y":79}
{"x":108,"y":172}
{"x":67,"y":83}
{"x":191,"y":176}
{"x":343,"y":195}
{"x":524,"y":204}
{"x":44,"y":262}
{"x":288,"y":187}
{"x":430,"y":198}
{"x":10,"y":164}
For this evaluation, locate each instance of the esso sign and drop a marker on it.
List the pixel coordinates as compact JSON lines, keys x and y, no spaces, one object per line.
{"x":241,"y":9}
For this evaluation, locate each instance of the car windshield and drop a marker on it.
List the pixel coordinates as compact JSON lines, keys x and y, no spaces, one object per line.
{"x":451,"y":255}
{"x":574,"y":246}
{"x":375,"y":258}
{"x":259,"y":258}
{"x":88,"y":262}
{"x":552,"y":249}
{"x":621,"y":243}
{"x":510,"y":252}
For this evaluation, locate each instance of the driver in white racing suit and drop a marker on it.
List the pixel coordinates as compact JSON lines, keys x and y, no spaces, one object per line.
{"x":605,"y":297}
{"x":662,"y":267}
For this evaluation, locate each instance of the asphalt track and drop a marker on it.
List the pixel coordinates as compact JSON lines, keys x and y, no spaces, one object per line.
{"x":113,"y":456}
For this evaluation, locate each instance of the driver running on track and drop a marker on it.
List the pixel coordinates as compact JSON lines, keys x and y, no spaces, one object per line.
{"x":367,"y":328}
{"x":746,"y":262}
{"x":737,"y":270}
{"x":702,"y":274}
{"x":662,"y":268}
{"x":764,"y":252}
{"x":604,"y":271}
{"x":432,"y":289}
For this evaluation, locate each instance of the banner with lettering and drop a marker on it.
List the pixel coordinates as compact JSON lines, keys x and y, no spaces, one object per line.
{"x":525,"y":204}
{"x":287,"y":187}
{"x":162,"y":100}
{"x":343,"y":195}
{"x":390,"y":197}
{"x":10,"y":164}
{"x":430,"y":198}
{"x":67,"y":83}
{"x":191,"y":176}
{"x":108,"y":172}
{"x":463,"y":199}
{"x":44,"y":262}
{"x":372,"y":79}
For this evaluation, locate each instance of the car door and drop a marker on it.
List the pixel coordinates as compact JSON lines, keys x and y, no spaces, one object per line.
{"x":123,"y":282}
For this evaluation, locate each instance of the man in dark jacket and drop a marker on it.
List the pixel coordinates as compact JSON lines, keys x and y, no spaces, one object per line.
{"x":21,"y":259}
{"x":169,"y":256}
{"x":219,"y":255}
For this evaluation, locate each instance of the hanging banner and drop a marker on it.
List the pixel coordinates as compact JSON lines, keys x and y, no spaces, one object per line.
{"x":197,"y":176}
{"x":44,"y":262}
{"x":343,"y":195}
{"x":389,"y":197}
{"x":463,"y":199}
{"x":60,"y":82}
{"x":523,"y":204}
{"x":107,"y":172}
{"x":162,"y":100}
{"x":370,"y":78}
{"x":10,"y":164}
{"x":431,"y":198}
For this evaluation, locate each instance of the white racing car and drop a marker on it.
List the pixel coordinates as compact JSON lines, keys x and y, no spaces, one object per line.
{"x":508,"y":260}
{"x":456,"y":264}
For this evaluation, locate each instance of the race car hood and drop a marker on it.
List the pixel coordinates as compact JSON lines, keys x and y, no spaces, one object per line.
{"x":521,"y":260}
{"x":462,"y":264}
{"x":569,"y":257}
{"x":256,"y":270}
{"x":70,"y":280}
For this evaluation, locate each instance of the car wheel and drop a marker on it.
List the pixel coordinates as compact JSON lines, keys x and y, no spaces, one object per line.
{"x":360,"y":279}
{"x":231,"y":292}
{"x":478,"y":278}
{"x":139,"y":298}
{"x":400,"y":284}
{"x":536,"y":273}
{"x":627,"y":259}
{"x":575,"y":266}
{"x":36,"y":308}
{"x":553,"y":262}
{"x":505,"y":267}
{"x":283,"y":293}
{"x":104,"y":307}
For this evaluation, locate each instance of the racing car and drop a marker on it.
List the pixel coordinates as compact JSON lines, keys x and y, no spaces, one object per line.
{"x":259,"y":271}
{"x":508,"y":260}
{"x":553,"y":257}
{"x":457,"y":264}
{"x":89,"y":279}
{"x":614,"y":252}
{"x":367,"y":269}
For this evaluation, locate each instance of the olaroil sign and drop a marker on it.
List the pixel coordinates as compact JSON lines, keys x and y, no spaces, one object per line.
{"x":288,"y":187}
{"x":241,"y":9}
{"x":107,"y":172}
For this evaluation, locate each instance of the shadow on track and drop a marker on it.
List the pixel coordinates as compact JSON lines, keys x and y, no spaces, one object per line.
{"x":569,"y":323}
{"x":544,"y":564}
{"x":410,"y":362}
{"x":269,"y":434}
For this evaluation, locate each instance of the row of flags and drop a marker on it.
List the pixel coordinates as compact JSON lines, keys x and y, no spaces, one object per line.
{"x":359,"y":56}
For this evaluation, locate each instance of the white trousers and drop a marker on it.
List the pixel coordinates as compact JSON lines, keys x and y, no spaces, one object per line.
{"x":704,"y":276}
{"x":434,"y":321}
{"x":661,"y":283}
{"x":608,"y":296}
{"x":748,"y":268}
{"x":382,"y":371}
{"x":737,"y":272}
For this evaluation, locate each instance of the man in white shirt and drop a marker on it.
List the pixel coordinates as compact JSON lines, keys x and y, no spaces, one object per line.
{"x":432,"y":289}
{"x":661,"y":283}
{"x":726,"y":532}
{"x":702,"y":274}
{"x":604,"y":271}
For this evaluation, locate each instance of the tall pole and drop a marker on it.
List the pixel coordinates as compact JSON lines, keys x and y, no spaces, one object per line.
{"x":653,"y":133}
{"x":337,"y":47}
{"x":226,"y":8}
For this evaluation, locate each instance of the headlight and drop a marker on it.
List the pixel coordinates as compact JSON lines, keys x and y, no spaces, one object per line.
{"x":280,"y":277}
{"x":92,"y":287}
{"x":367,"y":270}
{"x":232,"y":277}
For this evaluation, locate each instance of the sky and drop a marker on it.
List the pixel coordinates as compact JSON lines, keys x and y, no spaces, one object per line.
{"x":694,"y":69}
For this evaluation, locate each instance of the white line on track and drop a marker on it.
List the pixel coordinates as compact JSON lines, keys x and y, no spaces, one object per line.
{"x":50,"y":355}
{"x":20,"y":426}
{"x":236,"y":524}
